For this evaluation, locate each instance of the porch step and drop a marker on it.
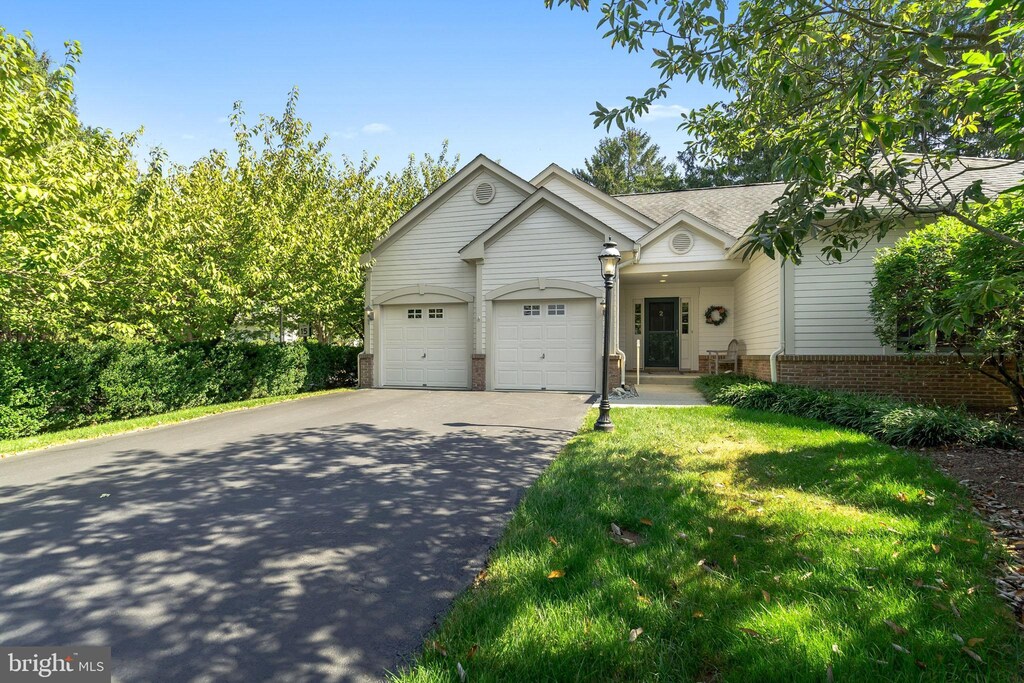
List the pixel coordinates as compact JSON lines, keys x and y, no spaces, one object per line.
{"x":662,"y":378}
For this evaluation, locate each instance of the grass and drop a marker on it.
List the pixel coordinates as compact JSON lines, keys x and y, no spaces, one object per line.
{"x":771,"y":548}
{"x":49,"y":439}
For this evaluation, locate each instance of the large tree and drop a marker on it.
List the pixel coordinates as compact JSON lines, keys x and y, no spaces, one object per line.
{"x":868,"y":102}
{"x":754,"y":166}
{"x":91,"y":248}
{"x":628,"y":162}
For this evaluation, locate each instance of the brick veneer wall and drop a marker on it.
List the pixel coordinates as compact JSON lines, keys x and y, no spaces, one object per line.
{"x":365,"y":370}
{"x":614,"y":372}
{"x":479,"y":372}
{"x":933,"y":379}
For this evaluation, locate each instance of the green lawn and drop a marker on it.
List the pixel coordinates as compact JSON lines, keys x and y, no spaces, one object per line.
{"x":46,"y":440}
{"x":771,"y":548}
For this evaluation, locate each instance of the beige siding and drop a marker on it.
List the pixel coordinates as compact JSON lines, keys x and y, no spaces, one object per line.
{"x":830,"y":302}
{"x":660,"y":250}
{"x":756,"y":312}
{"x":544,"y":244}
{"x":611,"y":218}
{"x":429,"y":252}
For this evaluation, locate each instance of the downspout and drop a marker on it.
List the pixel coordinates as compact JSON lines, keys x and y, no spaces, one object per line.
{"x":773,"y":360}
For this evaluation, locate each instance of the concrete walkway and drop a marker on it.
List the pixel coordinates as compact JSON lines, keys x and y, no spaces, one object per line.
{"x":672,"y":392}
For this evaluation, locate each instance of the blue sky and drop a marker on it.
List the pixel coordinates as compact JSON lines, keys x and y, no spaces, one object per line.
{"x":507,"y":78}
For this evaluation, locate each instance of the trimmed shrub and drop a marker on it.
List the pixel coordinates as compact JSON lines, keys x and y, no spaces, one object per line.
{"x":48,"y":386}
{"x":891,"y":421}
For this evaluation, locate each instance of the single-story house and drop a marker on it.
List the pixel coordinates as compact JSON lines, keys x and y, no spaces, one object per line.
{"x":492,"y":283}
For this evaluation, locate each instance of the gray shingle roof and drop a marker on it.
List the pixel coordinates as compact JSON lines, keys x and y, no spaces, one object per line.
{"x":733,"y":209}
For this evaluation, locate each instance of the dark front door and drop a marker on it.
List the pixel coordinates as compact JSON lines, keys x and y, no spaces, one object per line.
{"x":661,"y":333}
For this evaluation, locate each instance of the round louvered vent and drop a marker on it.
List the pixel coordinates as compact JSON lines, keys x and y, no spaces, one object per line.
{"x":682,"y":242}
{"x":483,"y":193}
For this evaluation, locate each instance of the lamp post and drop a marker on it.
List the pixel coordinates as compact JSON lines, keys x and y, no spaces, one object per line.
{"x":609,"y":259}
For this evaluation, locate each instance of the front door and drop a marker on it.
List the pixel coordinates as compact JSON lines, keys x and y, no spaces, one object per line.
{"x":661,"y":333}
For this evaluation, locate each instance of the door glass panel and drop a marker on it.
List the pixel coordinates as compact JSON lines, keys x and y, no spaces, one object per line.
{"x":662,"y":318}
{"x":638,"y":319}
{"x":684,"y":317}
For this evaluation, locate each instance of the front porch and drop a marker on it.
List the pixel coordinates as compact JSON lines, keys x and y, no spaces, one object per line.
{"x":662,"y":330}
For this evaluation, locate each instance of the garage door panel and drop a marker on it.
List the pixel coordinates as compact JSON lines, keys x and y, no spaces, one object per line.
{"x":425,"y":351}
{"x":553,"y":350}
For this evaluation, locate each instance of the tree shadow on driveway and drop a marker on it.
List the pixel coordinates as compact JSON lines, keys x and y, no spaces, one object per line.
{"x":320,"y":554}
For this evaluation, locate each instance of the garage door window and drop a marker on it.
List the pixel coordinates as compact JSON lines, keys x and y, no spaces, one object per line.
{"x":415,"y":313}
{"x":435,"y":313}
{"x":556,"y":309}
{"x":531,"y":309}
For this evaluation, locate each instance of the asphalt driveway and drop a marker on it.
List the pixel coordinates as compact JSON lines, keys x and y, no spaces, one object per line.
{"x":312,"y":540}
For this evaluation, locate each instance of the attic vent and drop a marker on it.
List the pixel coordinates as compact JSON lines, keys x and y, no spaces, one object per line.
{"x":483,"y":193}
{"x":682,"y":242}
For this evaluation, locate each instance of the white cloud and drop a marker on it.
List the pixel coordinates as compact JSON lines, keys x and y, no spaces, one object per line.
{"x":664,"y":111}
{"x":376,"y":128}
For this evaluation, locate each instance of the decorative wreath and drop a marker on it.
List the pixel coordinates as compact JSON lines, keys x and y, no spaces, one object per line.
{"x":715,"y":315}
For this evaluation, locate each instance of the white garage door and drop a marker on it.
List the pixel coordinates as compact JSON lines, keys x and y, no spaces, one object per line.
{"x":425,"y":345}
{"x":545,"y":345}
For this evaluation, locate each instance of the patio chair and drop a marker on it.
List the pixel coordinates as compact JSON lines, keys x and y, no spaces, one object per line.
{"x":729,"y":356}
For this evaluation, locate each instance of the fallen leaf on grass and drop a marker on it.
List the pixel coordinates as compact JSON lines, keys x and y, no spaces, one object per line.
{"x":461,"y":672}
{"x":902,"y":496}
{"x":936,"y":548}
{"x":766,"y":595}
{"x":896,"y":628}
{"x":439,"y":648}
{"x":646,"y":522}
{"x":974,"y":641}
{"x":835,"y":648}
{"x":643,"y":599}
{"x":970,"y":540}
{"x":972,"y":654}
{"x":900,"y":648}
{"x":556,"y":574}
{"x":956,"y":612}
{"x":711,"y":530}
{"x":634,"y":634}
{"x":554,"y":541}
{"x":806,"y":576}
{"x":616,"y":529}
{"x":920,"y":665}
{"x":735,"y":561}
{"x":472,"y":651}
{"x":697,"y":614}
{"x":751,"y":632}
{"x":797,"y":537}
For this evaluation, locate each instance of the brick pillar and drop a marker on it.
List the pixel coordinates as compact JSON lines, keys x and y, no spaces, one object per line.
{"x":614,"y":372}
{"x":365,"y":370}
{"x":479,"y":371}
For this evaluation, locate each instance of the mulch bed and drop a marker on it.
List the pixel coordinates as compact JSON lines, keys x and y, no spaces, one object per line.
{"x":995,"y":480}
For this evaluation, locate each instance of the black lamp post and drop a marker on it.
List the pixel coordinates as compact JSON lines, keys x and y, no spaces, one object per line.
{"x":609,"y":258}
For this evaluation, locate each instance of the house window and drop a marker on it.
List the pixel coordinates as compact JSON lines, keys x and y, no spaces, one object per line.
{"x":638,"y":318}
{"x":684,"y":317}
{"x":531,"y":309}
{"x":556,"y":309}
{"x":415,"y":313}
{"x":437,"y":313}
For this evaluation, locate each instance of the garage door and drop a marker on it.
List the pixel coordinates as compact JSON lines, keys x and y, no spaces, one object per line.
{"x":425,"y":345}
{"x":545,"y":345}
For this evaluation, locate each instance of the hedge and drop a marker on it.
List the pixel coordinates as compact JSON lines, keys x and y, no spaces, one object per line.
{"x":888,"y":420}
{"x":48,"y":386}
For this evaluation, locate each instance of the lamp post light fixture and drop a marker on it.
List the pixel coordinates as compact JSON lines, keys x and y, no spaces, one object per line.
{"x":609,"y":259}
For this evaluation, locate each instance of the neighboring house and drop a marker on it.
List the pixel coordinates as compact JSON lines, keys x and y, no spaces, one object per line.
{"x":492,"y":282}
